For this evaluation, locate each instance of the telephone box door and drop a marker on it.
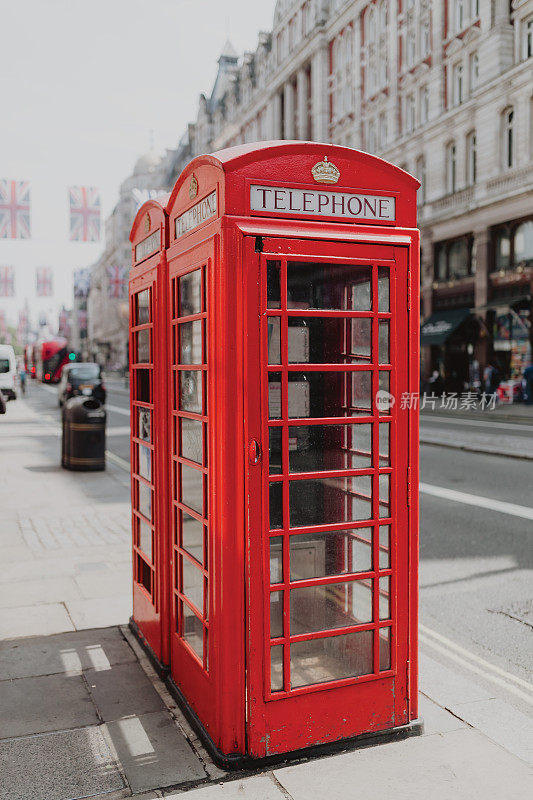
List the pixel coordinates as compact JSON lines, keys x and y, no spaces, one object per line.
{"x":327,"y":491}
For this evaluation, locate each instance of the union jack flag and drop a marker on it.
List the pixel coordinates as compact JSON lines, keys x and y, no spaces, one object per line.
{"x":14,"y":209}
{"x":7,"y":281}
{"x":84,"y":214}
{"x":82,"y":282}
{"x":82,"y":320}
{"x":44,"y":281}
{"x":116,"y":281}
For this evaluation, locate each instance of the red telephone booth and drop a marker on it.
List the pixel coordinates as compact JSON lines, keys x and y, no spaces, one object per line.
{"x":292,"y":339}
{"x":148,"y":454}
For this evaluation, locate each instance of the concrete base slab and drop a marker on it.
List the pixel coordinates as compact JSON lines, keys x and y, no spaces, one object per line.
{"x":153,"y":752}
{"x":50,"y":703}
{"x":68,"y":653}
{"x":436,"y":719}
{"x":122,"y":691}
{"x":34,"y":620}
{"x":100,"y":612}
{"x":260,"y":787}
{"x":502,"y":723}
{"x":57,"y":766}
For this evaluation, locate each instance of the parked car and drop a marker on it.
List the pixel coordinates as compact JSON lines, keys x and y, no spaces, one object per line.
{"x":83,"y":378}
{"x":8,"y":372}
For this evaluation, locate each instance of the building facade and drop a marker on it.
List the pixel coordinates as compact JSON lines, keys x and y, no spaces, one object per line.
{"x":442,"y":88}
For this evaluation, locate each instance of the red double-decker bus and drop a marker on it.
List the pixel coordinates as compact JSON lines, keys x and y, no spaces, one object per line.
{"x":50,"y":358}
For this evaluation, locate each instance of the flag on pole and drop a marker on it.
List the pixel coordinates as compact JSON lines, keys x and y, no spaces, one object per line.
{"x":82,"y":282}
{"x":14,"y":209}
{"x":82,"y":320}
{"x":116,"y":281}
{"x":84,"y":214}
{"x":44,"y":281}
{"x":7,"y":282}
{"x":64,"y":323}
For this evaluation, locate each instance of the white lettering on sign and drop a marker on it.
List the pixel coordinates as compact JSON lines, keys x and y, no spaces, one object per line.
{"x":284,"y":200}
{"x":148,"y":245}
{"x":199,"y":213}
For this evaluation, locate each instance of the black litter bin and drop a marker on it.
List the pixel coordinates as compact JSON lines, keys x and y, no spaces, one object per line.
{"x":83,"y":444}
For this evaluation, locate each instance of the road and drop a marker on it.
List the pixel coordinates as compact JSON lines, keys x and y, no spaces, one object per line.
{"x":476,"y":548}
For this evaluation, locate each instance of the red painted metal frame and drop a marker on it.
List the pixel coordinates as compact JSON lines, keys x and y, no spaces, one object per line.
{"x":227,"y":689}
{"x":151,"y":608}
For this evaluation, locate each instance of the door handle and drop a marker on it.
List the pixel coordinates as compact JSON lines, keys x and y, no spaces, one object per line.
{"x":254,"y":452}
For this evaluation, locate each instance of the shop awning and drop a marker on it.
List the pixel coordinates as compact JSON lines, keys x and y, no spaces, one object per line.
{"x":442,"y":324}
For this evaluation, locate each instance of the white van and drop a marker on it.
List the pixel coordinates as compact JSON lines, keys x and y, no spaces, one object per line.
{"x":8,"y":372}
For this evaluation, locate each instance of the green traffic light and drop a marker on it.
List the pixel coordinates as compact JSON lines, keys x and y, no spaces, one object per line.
{"x":72,"y":356}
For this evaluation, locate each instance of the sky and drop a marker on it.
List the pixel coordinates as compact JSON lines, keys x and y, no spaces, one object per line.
{"x":85,"y":87}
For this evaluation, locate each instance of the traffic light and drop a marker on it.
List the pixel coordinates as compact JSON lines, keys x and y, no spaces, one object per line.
{"x":72,"y":356}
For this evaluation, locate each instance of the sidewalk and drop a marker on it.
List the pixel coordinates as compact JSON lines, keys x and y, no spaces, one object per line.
{"x":83,"y":714}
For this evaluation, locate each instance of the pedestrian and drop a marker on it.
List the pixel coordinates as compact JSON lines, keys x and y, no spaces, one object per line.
{"x":22,"y":378}
{"x":527,"y":384}
{"x":491,"y":379}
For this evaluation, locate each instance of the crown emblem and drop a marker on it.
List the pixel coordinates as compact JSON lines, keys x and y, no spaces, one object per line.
{"x":193,"y":187}
{"x":147,"y":223}
{"x":325,"y":172}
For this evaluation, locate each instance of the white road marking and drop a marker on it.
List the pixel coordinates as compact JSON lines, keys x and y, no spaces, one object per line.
{"x":476,"y":500}
{"x":485,"y":673}
{"x":120,"y":462}
{"x":424,"y":420}
{"x":117,"y":409}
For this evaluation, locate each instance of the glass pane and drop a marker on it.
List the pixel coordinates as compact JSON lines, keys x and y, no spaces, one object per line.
{"x":384,"y":444}
{"x":143,"y":422}
{"x":384,"y":546}
{"x":142,"y":386}
{"x":145,"y":538}
{"x":276,"y":559}
{"x":332,"y":658}
{"x":274,"y":395}
{"x":145,"y":462}
{"x":143,"y":346}
{"x":313,"y":448}
{"x":190,"y":382}
{"x":328,"y":286}
{"x":276,"y":505}
{"x":298,"y":333}
{"x":143,"y":307}
{"x":319,"y":340}
{"x":361,"y":400}
{"x":192,"y":491}
{"x":190,"y":334}
{"x":322,"y":501}
{"x":276,"y":668}
{"x":192,"y":439}
{"x":193,"y":631}
{"x":193,"y":584}
{"x":384,"y":598}
{"x":273,"y":284}
{"x":385,"y":408}
{"x":274,"y":450}
{"x":276,"y":614}
{"x":192,"y":536}
{"x":383,"y":289}
{"x":384,"y":648}
{"x":334,"y":605}
{"x":190,"y":294}
{"x":299,"y":388}
{"x":384,"y":495}
{"x":145,"y":500}
{"x":383,"y":344}
{"x":274,"y":341}
{"x":318,"y":555}
{"x":361,"y":341}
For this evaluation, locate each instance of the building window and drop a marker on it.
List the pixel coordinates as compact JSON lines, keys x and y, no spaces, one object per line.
{"x":508,"y":138}
{"x":457,"y":74}
{"x":459,"y":15}
{"x":471,"y":159}
{"x":425,"y":45}
{"x":451,"y":168}
{"x":371,"y":28}
{"x":523,"y":244}
{"x":383,"y":131}
{"x":409,"y":113}
{"x":513,"y":245}
{"x":371,"y":138}
{"x":424,"y":104}
{"x":528,"y":38}
{"x":502,"y":250}
{"x":421,"y":175}
{"x":474,"y":71}
{"x":453,"y":259}
{"x":474,"y":9}
{"x":411,"y":49}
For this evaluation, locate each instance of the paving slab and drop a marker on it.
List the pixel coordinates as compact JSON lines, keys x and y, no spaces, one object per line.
{"x":57,"y":766}
{"x":258,"y":787}
{"x":502,"y":723}
{"x":436,"y":719}
{"x":104,"y":583}
{"x":122,"y":691}
{"x":153,"y":752}
{"x":33,"y":592}
{"x":44,"y":703}
{"x":460,"y":764}
{"x":100,"y":612}
{"x":46,"y":618}
{"x":447,"y":687}
{"x":67,"y":653}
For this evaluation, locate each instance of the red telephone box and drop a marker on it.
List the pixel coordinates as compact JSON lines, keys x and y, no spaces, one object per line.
{"x":148,"y":452}
{"x":292,"y":344}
